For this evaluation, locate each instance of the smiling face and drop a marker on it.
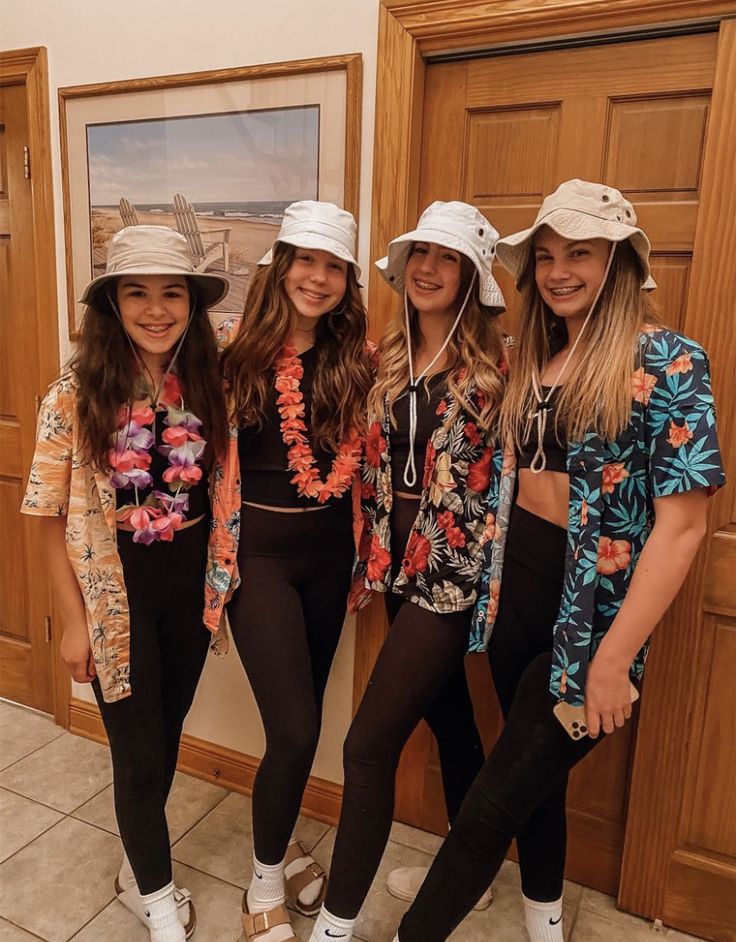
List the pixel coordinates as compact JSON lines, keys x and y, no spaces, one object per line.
{"x":432,"y":278}
{"x":154,"y":310}
{"x":568,"y":273}
{"x":315,"y":283}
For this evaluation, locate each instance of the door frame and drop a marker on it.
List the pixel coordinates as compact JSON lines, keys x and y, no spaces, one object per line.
{"x":29,"y":67}
{"x":413,"y":31}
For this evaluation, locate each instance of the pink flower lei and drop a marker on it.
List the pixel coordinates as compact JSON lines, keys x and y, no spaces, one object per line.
{"x":290,"y":405}
{"x":161,"y":514}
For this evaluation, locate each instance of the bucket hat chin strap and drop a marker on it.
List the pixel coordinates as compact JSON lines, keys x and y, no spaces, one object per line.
{"x":155,"y":390}
{"x":410,"y":469}
{"x":540,"y":414}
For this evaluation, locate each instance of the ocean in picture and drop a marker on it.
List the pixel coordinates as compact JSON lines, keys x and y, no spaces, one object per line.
{"x":268,"y":210}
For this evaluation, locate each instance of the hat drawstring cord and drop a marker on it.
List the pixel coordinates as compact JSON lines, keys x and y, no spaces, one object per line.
{"x":410,"y":469}
{"x":540,"y":415}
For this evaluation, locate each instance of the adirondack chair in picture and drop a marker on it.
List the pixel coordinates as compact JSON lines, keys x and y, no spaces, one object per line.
{"x":206,"y":246}
{"x":127,"y":212}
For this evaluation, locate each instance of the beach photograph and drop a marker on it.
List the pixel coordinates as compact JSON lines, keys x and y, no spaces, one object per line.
{"x":222,"y":180}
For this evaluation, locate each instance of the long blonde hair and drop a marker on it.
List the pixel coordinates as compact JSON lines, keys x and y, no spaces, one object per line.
{"x":343,"y":373}
{"x":475,"y":355}
{"x":596,"y":396}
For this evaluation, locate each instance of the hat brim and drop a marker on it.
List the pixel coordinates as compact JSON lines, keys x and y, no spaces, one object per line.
{"x":308,"y":240}
{"x":513,"y":250}
{"x":393,"y":265}
{"x":211,"y":288}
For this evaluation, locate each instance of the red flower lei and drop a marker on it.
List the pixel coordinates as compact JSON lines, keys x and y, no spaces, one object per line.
{"x":290,"y":405}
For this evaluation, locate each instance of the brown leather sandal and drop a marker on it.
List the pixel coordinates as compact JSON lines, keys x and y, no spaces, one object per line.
{"x":308,"y":874}
{"x":255,"y":924}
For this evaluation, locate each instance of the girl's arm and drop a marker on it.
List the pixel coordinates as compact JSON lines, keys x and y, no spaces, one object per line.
{"x":665,"y":560}
{"x":75,"y":648}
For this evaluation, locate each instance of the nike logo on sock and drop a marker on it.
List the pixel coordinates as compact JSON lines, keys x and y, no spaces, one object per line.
{"x":257,"y":875}
{"x":334,"y":935}
{"x":553,"y":922}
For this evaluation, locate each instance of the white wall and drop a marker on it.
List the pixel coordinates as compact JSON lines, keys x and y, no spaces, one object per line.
{"x":101,"y":41}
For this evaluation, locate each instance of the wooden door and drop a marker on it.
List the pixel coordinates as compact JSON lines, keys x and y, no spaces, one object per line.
{"x":501,"y":133}
{"x":25,"y":636}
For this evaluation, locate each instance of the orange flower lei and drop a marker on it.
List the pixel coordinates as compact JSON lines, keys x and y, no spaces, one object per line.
{"x":290,"y":405}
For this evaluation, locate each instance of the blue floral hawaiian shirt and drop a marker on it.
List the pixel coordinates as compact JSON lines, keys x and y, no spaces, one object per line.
{"x":669,"y":446}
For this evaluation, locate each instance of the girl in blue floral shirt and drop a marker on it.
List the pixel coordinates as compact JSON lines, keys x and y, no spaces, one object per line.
{"x":601,"y":507}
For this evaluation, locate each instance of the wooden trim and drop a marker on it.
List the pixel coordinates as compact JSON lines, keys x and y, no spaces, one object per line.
{"x":448,"y":25}
{"x":217,"y":764}
{"x":30,"y":67}
{"x":351,"y":64}
{"x":669,"y":734}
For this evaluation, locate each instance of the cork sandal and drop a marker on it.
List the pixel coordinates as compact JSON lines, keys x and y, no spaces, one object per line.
{"x":256,"y":924}
{"x":302,"y":876}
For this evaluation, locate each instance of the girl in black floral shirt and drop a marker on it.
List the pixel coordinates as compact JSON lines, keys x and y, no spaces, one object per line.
{"x":425,"y":478}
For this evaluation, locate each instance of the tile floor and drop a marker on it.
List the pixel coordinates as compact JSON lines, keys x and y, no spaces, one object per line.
{"x":59,"y":853}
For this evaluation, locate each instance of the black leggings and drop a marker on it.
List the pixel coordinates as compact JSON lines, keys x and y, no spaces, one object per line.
{"x":521,"y":789}
{"x":168,"y":647}
{"x":419,"y":674}
{"x":286,"y":619}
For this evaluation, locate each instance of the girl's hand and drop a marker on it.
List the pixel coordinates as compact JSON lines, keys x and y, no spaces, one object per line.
{"x":76,"y":652}
{"x":607,"y":695}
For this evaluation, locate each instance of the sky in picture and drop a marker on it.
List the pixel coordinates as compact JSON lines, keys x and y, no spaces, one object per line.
{"x":256,"y":155}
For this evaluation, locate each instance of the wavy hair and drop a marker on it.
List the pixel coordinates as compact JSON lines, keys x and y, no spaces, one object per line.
{"x":343,"y":373}
{"x":597,"y":395}
{"x":106,"y":372}
{"x":475,"y":355}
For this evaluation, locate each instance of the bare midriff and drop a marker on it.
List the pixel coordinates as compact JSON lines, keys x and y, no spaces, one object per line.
{"x":546,"y":494}
{"x":284,"y":510}
{"x":402,"y":495}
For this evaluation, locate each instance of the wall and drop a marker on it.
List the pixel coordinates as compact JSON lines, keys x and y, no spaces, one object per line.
{"x":100,"y":41}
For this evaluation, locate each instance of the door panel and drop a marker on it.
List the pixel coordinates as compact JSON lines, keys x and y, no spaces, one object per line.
{"x":500,"y":133}
{"x":25,"y":656}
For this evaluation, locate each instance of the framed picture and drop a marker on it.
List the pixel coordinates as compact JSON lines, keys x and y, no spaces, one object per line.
{"x":217,"y":155}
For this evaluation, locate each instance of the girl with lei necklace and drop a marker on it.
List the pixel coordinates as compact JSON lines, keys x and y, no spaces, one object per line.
{"x":426,"y":476}
{"x":613,"y":452}
{"x":297,"y":373}
{"x":120,"y":473}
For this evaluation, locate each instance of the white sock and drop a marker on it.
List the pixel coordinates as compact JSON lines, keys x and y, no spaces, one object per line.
{"x":126,"y":877}
{"x":543,"y":920}
{"x":327,"y":928}
{"x":307,"y":896}
{"x":267,"y":887}
{"x":163,"y":917}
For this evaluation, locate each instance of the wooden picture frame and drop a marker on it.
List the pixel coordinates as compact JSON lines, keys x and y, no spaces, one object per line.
{"x":129,"y":149}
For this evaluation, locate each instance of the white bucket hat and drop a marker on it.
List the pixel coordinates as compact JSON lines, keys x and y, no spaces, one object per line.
{"x":580,"y":210}
{"x":312,"y":224}
{"x":454,"y":225}
{"x":154,"y":250}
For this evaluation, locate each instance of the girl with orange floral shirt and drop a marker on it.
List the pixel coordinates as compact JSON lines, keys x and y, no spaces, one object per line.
{"x":298,"y":373}
{"x":127,"y":438}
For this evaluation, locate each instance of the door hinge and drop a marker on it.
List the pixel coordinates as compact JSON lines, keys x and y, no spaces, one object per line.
{"x":26,"y":162}
{"x":47,"y":628}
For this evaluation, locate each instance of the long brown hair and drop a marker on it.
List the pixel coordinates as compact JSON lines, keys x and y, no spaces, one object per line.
{"x":475,"y":355}
{"x":597,"y":395}
{"x":342,"y":374}
{"x":107,"y":372}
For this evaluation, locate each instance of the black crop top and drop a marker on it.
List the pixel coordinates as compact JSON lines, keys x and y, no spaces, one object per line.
{"x":555,"y":448}
{"x":427,"y":422}
{"x":199,"y":501}
{"x":264,"y":472}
